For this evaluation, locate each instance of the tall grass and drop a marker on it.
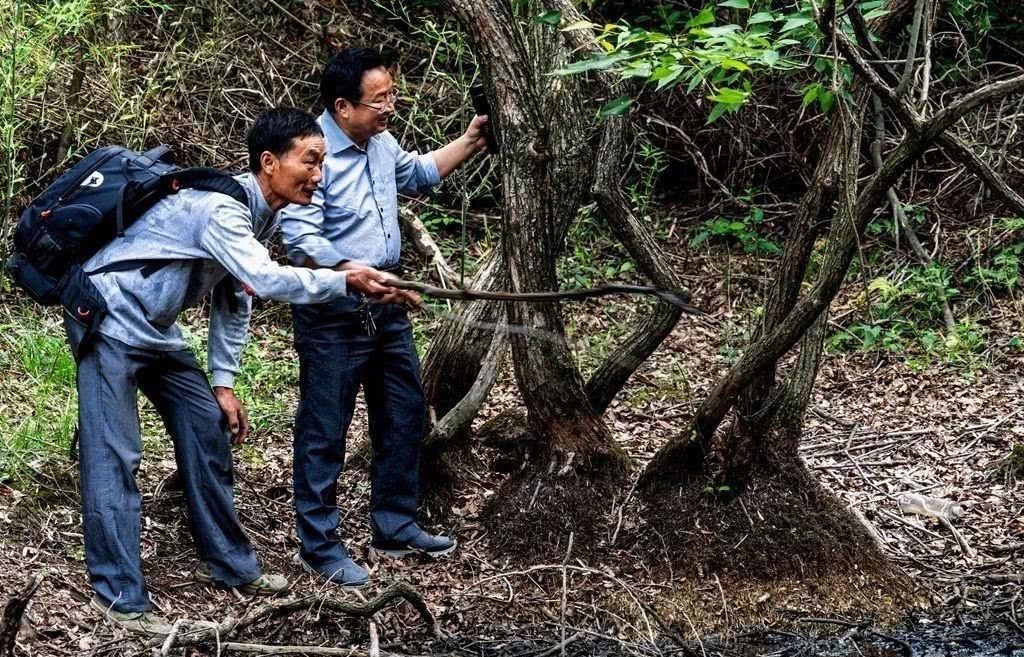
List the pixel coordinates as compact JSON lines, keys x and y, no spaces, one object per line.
{"x":37,"y":393}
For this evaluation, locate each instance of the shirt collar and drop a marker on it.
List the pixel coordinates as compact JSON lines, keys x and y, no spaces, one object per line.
{"x":337,"y":140}
{"x":258,"y":205}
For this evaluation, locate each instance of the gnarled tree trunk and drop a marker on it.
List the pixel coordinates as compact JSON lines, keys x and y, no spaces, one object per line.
{"x":757,"y":460}
{"x":457,"y":363}
{"x":545,"y":134}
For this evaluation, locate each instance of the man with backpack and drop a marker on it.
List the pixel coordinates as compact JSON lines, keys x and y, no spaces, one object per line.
{"x":169,"y":259}
{"x":349,"y":342}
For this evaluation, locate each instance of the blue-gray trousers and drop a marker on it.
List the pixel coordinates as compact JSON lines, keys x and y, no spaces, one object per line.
{"x":110,"y":374}
{"x":335,"y":356}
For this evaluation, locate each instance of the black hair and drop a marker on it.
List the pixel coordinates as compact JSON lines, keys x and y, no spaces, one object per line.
{"x":275,"y":130}
{"x":343,"y":75}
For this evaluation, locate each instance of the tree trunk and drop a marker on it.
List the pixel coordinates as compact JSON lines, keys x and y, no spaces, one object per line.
{"x":451,"y":368}
{"x":797,"y":521}
{"x":546,"y":163}
{"x":758,"y":395}
{"x":611,"y":376}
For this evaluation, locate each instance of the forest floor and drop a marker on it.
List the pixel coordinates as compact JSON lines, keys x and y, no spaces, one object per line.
{"x":878,"y":428}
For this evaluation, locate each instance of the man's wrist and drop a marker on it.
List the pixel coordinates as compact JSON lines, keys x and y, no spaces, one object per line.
{"x":222,"y":379}
{"x":470,"y":145}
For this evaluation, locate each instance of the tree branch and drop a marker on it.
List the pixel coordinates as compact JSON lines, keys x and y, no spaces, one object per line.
{"x":13,"y":612}
{"x":908,"y":66}
{"x":950,"y":114}
{"x":231,"y":626}
{"x":425,"y":245}
{"x":678,"y":298}
{"x":461,"y":415}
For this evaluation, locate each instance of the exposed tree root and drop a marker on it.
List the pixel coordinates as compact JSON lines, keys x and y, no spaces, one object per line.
{"x":537,"y":509}
{"x":317,"y":603}
{"x":782,"y":524}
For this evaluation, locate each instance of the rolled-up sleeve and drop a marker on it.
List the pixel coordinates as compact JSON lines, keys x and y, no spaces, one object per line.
{"x":414,"y":173}
{"x":302,"y":228}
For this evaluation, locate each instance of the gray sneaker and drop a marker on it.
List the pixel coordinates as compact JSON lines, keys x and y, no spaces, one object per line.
{"x":145,"y":623}
{"x":264,"y":585}
{"x":345,"y":573}
{"x":432,"y":545}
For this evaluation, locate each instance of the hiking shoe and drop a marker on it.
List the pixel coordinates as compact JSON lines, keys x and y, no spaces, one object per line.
{"x":264,"y":585}
{"x":145,"y":623}
{"x":432,"y":545}
{"x":346,"y":572}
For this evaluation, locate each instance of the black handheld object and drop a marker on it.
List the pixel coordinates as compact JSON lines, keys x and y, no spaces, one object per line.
{"x":483,"y":108}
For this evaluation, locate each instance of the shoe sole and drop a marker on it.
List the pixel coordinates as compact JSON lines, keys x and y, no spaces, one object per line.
{"x":309,"y":569}
{"x":138,"y":631}
{"x":203,"y":578}
{"x":404,"y":552}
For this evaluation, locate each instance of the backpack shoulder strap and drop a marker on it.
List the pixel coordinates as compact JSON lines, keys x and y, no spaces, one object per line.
{"x":208,"y":179}
{"x":160,"y":153}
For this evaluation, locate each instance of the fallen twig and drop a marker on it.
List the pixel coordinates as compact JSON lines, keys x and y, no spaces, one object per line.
{"x":13,"y":612}
{"x":229,"y":626}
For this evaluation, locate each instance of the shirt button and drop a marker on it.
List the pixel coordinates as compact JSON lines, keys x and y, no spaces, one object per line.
{"x":389,"y":235}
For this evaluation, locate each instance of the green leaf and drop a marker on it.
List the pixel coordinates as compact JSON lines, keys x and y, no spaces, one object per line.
{"x":735,"y":4}
{"x":549,"y":18}
{"x":698,"y":77}
{"x":580,"y":25}
{"x":761,"y":17}
{"x":724,"y":31}
{"x":729,"y":96}
{"x":795,"y":22}
{"x":770,"y":57}
{"x":826,"y":99}
{"x":617,"y":106}
{"x":666,"y":75}
{"x":705,"y":17}
{"x":811,"y":92}
{"x":717,"y":111}
{"x":596,"y":64}
{"x":734,"y":65}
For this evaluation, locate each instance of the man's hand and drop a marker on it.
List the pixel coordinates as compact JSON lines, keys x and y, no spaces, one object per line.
{"x":238,"y":419}
{"x":450,"y":157}
{"x":401,"y":296}
{"x":360,"y":278}
{"x":475,"y":134}
{"x":387,"y":294}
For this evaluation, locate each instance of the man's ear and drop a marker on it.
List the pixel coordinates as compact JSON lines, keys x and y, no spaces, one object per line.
{"x":268,"y":162}
{"x":342,"y":107}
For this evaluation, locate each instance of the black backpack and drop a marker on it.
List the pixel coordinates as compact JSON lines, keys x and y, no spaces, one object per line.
{"x":84,"y":210}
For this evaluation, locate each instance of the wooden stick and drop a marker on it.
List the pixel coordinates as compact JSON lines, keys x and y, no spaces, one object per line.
{"x":398,"y":591}
{"x":968,"y":551}
{"x":679,"y":298}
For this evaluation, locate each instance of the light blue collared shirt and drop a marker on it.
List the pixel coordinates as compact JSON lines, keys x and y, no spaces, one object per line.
{"x":201,"y":237}
{"x":354,"y":213}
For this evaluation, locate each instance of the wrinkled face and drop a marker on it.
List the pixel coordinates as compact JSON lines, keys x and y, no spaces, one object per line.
{"x":294,"y":176}
{"x":376,"y":106}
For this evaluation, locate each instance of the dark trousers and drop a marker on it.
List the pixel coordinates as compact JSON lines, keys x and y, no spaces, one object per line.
{"x":336,"y":355}
{"x":110,"y":374}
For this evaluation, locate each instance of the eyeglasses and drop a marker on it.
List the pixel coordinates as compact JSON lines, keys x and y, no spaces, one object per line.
{"x":389,"y":103}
